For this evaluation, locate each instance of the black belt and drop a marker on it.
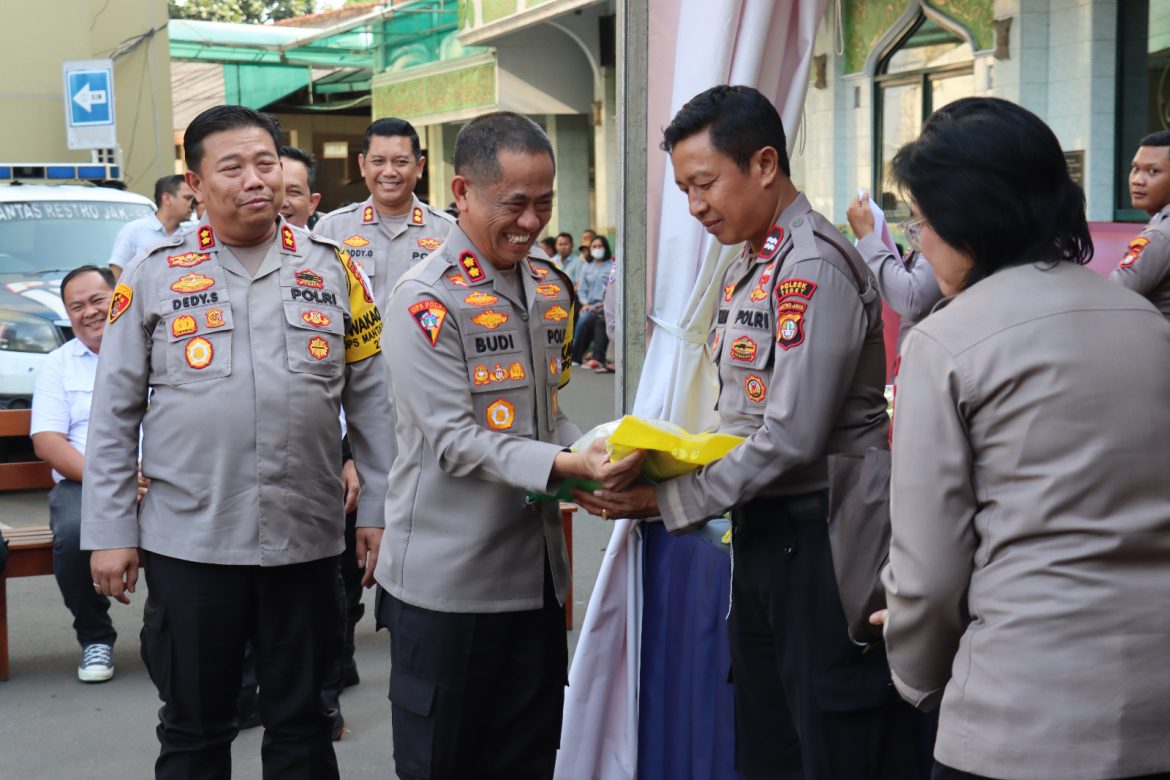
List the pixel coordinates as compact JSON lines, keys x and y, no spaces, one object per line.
{"x":799,"y":507}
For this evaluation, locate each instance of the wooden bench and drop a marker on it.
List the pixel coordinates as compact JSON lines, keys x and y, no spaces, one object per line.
{"x":30,"y":550}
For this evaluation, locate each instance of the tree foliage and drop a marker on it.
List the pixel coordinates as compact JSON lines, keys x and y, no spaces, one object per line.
{"x":255,"y":11}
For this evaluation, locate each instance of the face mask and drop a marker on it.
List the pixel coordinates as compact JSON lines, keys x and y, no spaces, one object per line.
{"x":597,"y":254}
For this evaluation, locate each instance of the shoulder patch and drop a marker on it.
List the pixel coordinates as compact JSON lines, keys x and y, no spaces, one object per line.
{"x":120,"y":302}
{"x":429,"y":315}
{"x":1134,"y":251}
{"x":800,"y":288}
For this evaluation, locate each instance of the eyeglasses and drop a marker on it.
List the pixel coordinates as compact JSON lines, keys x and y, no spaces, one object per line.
{"x":912,"y":229}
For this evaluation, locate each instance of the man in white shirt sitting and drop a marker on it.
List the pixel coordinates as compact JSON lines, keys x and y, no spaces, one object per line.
{"x":174,"y":201}
{"x":60,"y":421}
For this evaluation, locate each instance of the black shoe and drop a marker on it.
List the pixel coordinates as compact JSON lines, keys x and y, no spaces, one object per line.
{"x":349,"y":677}
{"x":246,"y":708}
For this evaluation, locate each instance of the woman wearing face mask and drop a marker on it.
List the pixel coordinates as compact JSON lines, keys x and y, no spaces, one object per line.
{"x":591,"y":293}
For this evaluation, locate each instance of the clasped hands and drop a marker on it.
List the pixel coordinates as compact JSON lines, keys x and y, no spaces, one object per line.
{"x":620,"y":494}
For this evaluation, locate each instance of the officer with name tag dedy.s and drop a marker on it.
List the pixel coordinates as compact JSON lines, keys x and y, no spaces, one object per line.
{"x":475,"y":575}
{"x":246,"y":334}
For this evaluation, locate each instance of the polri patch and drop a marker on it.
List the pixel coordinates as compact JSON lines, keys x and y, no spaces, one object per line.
{"x":1136,"y":247}
{"x":430,"y":316}
{"x":490,"y":319}
{"x":478,"y":298}
{"x":199,"y":352}
{"x":755,"y":389}
{"x":120,"y":302}
{"x":188,"y":260}
{"x":192,"y":283}
{"x":799,"y":288}
{"x":500,"y":415}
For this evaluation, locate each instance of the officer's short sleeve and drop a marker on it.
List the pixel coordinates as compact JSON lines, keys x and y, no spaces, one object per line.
{"x":1146,"y":263}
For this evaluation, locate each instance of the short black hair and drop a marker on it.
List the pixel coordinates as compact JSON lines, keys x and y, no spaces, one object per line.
{"x":304,"y":158}
{"x":391,"y":126}
{"x":991,"y":179}
{"x":741,"y":122}
{"x":1160,"y":138}
{"x":479,"y":143}
{"x":167,"y":185}
{"x":549,"y":243}
{"x":566,"y":235}
{"x":218,"y":119}
{"x":105,"y":273}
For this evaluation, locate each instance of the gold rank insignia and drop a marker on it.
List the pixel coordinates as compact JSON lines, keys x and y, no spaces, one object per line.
{"x":368,"y":215}
{"x":355,"y":241}
{"x":548,"y":290}
{"x":287,"y":239}
{"x":120,"y":301}
{"x":206,"y":237}
{"x":416,"y":216}
{"x":470,"y":264}
{"x":429,"y":244}
{"x":192,"y":283}
{"x":490,"y":319}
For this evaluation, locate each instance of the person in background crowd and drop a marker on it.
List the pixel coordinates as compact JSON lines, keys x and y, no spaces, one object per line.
{"x":591,"y":292}
{"x":300,"y":182}
{"x":59,"y":426}
{"x":609,"y":306}
{"x":392,"y":229}
{"x":801,"y":362}
{"x":549,"y":245}
{"x":571,"y":262}
{"x":246,"y":335}
{"x":175,"y":201}
{"x":587,"y":236}
{"x":474,"y":340}
{"x":1021,"y":571}
{"x":907,"y":285}
{"x":1145,"y":269}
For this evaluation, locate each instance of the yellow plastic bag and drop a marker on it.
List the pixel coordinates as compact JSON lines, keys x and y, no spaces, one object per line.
{"x":671,"y":451}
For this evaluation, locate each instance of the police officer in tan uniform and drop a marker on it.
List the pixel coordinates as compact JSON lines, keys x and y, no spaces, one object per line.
{"x":1145,"y":268}
{"x":798,"y":345}
{"x":245,"y":335}
{"x":476,"y":574}
{"x":392,"y":229}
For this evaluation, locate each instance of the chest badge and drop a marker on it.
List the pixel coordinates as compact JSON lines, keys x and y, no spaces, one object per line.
{"x":500,"y":415}
{"x":755,"y":389}
{"x":457,"y":280}
{"x":318,"y":348}
{"x":215,"y":318}
{"x":307,"y":277}
{"x":556,"y":314}
{"x":548,"y":290}
{"x":429,"y":315}
{"x":478,"y":298}
{"x":490,"y":319}
{"x":759,"y":293}
{"x":743,"y":349}
{"x":188,"y":260}
{"x":429,"y":244}
{"x":183,"y":325}
{"x":317,"y":319}
{"x":479,"y":375}
{"x":192,"y":283}
{"x":199,"y":352}
{"x":516,"y":371}
{"x":355,"y":241}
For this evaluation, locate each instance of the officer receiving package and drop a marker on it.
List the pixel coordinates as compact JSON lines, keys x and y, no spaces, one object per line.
{"x":476,"y":340}
{"x":246,"y":335}
{"x":798,"y":346}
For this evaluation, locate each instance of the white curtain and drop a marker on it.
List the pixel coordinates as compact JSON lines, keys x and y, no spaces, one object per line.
{"x":694,"y":44}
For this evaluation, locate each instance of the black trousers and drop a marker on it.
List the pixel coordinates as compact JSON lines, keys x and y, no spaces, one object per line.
{"x":197,"y":618}
{"x":809,"y":704}
{"x":91,"y":611}
{"x":476,"y":695}
{"x":943,"y":772}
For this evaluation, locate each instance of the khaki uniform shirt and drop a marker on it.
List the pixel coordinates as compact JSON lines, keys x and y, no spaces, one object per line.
{"x":1030,"y":558}
{"x":386,"y":252}
{"x":801,"y":370}
{"x":237,"y":382}
{"x":1145,"y":269}
{"x":476,"y":368}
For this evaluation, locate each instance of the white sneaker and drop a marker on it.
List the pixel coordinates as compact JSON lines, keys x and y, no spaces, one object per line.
{"x":96,"y":664}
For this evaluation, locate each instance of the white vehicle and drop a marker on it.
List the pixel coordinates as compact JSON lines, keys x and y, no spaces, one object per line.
{"x":45,"y":232}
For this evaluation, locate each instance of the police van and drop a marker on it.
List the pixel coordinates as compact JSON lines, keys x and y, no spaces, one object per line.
{"x":46,"y":230}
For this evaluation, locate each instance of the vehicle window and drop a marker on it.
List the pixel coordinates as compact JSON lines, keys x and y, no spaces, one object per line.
{"x":37,"y":236}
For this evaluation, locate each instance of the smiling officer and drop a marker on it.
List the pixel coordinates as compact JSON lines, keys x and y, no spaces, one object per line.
{"x":245,"y":335}
{"x":475,"y":575}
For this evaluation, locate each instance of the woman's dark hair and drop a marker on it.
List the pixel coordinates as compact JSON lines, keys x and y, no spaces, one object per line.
{"x":604,"y":243}
{"x":990,"y":178}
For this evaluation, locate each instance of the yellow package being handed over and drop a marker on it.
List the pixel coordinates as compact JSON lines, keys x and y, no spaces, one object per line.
{"x":671,"y":451}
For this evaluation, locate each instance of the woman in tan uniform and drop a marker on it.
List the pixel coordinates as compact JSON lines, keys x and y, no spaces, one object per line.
{"x":1030,"y":560}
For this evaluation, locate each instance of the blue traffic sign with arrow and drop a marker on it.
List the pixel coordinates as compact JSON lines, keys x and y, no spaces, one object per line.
{"x":89,"y":97}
